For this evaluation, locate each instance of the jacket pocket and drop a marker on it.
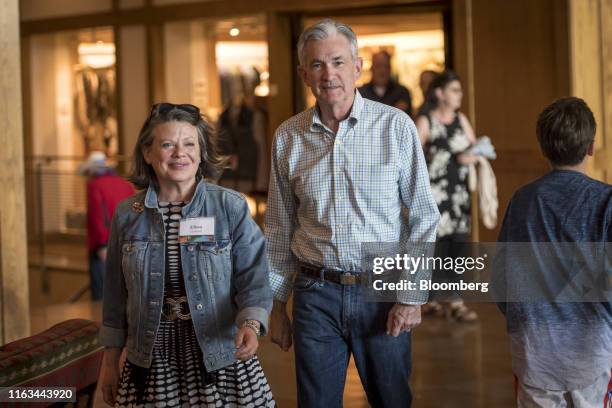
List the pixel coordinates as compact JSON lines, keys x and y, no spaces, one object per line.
{"x":133,"y":263}
{"x":215,"y":259}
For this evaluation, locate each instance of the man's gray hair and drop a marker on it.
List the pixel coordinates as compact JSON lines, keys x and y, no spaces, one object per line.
{"x":322,"y":30}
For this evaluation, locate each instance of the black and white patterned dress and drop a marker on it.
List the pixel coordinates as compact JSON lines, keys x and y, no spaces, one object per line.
{"x":177,"y":376}
{"x":447,"y":177}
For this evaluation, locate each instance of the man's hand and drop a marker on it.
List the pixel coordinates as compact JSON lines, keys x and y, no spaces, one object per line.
{"x":403,"y":318}
{"x":280,"y":326}
{"x":101,"y":252}
{"x":246,"y":343}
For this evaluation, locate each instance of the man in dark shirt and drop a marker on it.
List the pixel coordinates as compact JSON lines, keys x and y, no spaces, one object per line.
{"x":561,"y":351}
{"x":382,"y":88}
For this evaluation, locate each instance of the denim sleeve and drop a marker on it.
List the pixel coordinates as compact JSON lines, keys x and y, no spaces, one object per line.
{"x":250,"y":268}
{"x":114,"y":323}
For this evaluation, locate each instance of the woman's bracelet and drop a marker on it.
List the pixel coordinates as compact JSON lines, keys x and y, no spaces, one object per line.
{"x":253,"y":325}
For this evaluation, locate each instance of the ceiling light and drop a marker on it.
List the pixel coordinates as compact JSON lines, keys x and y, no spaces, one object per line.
{"x":97,"y":55}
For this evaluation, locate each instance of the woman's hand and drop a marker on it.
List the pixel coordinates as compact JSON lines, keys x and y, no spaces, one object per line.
{"x":110,"y":375}
{"x":246,"y":343}
{"x":466,"y":159}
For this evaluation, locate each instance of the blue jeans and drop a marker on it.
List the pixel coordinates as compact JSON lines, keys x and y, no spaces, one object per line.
{"x":96,"y":275}
{"x":330,"y":322}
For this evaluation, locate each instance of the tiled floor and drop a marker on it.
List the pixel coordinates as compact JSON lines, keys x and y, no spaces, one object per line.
{"x":454,"y":365}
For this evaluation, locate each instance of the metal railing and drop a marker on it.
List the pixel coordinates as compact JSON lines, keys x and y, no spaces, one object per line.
{"x":56,"y":209}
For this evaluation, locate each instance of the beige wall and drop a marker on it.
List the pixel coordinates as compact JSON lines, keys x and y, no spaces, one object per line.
{"x":14,"y":302}
{"x":132,"y":57}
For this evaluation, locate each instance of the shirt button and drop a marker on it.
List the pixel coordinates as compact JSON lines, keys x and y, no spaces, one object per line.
{"x":190,"y":248}
{"x":199,"y":306}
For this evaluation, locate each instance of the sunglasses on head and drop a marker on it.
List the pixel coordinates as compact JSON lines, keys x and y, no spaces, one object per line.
{"x":165,"y":107}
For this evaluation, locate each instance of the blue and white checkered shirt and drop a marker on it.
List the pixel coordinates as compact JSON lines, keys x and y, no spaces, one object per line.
{"x":331,"y":192}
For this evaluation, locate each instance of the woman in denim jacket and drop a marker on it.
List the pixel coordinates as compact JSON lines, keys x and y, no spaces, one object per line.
{"x":186,"y":290}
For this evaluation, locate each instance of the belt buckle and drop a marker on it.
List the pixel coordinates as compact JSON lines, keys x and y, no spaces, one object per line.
{"x":172,"y":309}
{"x":348,"y":279}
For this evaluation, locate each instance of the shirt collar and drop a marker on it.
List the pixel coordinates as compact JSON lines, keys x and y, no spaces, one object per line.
{"x":353,"y":117}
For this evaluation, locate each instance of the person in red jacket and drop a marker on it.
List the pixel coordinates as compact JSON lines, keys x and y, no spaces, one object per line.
{"x":105,"y":189}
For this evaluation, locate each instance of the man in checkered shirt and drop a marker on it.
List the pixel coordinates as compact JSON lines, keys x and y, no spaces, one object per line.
{"x":341,"y":173}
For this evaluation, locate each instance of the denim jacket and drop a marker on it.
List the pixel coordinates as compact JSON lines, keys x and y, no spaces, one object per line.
{"x":226,"y":280}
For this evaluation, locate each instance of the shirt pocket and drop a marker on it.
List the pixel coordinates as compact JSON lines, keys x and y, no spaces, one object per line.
{"x":215,"y":259}
{"x":375,"y":183}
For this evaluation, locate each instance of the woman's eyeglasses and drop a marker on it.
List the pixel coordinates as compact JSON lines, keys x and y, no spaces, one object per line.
{"x":165,"y":107}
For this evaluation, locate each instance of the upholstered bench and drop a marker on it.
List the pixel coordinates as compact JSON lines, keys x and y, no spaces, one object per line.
{"x":65,"y":355}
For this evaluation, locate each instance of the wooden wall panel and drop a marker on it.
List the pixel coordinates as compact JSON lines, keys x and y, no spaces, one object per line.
{"x":282,"y":71}
{"x":14,"y":302}
{"x":591,"y":73}
{"x":517,"y":49}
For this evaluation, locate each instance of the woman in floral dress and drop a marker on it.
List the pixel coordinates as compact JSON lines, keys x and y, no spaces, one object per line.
{"x":446,"y":135}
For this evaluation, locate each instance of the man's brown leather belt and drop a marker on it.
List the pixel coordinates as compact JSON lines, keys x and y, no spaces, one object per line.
{"x":341,"y":277}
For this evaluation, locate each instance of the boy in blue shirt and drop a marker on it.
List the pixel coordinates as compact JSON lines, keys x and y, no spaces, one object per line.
{"x":561,"y":352}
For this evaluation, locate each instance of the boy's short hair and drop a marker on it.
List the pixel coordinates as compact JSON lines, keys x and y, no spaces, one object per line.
{"x":565,"y":129}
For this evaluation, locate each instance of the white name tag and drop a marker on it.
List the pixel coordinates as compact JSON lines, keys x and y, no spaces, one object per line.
{"x":190,"y":227}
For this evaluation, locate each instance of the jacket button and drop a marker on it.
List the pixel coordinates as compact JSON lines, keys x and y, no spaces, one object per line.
{"x":193,"y":277}
{"x":190,"y":248}
{"x":199,"y":306}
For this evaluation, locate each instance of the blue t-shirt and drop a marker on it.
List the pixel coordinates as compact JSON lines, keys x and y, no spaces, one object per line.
{"x":560,"y":346}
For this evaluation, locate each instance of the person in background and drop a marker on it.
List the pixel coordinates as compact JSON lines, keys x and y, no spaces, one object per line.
{"x":382,"y":88}
{"x":237,"y":142}
{"x":187,"y":291}
{"x":105,"y":189}
{"x":425,"y":79}
{"x":446,"y":135}
{"x":561,"y":351}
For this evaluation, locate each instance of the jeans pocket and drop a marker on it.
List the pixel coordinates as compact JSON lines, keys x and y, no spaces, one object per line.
{"x":304,"y":283}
